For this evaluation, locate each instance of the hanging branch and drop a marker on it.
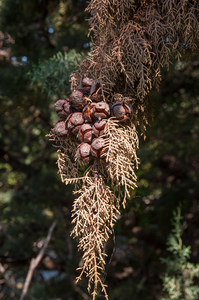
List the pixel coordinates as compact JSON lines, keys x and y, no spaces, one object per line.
{"x":96,"y":135}
{"x":35,"y":261}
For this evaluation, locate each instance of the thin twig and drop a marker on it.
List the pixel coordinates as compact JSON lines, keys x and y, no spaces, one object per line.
{"x":35,"y":261}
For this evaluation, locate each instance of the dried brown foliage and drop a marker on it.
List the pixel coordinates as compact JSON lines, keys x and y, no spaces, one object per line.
{"x":121,"y":158}
{"x":96,"y":209}
{"x":94,"y":214}
{"x":132,"y":41}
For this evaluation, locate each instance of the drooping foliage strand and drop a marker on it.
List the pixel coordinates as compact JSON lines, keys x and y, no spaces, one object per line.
{"x":95,"y":150}
{"x":132,"y":41}
{"x":94,"y":214}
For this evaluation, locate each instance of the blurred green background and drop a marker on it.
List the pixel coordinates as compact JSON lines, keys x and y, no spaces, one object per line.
{"x":41,"y":43}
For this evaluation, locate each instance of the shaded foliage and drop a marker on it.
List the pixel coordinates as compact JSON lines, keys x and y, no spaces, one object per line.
{"x":54,"y":74}
{"x":180,"y":274}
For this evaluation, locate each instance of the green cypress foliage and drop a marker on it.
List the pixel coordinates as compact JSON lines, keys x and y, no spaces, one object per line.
{"x":179,"y":279}
{"x":53,"y":75}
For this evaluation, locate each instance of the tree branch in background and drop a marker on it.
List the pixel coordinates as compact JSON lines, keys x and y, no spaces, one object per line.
{"x":35,"y":261}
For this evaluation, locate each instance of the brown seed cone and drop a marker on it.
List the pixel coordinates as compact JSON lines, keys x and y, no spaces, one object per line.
{"x":97,"y":97}
{"x":95,"y":87}
{"x":101,"y":110}
{"x":87,"y":82}
{"x":120,"y":111}
{"x":98,"y":147}
{"x":85,"y":133}
{"x":63,"y":108}
{"x":60,"y":129}
{"x":84,"y":152}
{"x":68,"y":108}
{"x":88,"y":113}
{"x":98,"y":128}
{"x":59,"y":105}
{"x":77,"y":98}
{"x":74,"y":122}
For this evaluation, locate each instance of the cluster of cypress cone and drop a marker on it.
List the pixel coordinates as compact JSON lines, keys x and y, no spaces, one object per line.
{"x":84,"y":115}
